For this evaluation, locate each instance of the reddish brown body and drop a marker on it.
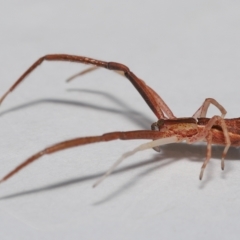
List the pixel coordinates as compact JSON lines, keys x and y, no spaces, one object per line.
{"x":168,"y":128}
{"x":233,"y":128}
{"x":188,"y":127}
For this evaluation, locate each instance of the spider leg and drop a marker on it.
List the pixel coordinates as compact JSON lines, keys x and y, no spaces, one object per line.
{"x":88,"y":70}
{"x":130,"y":135}
{"x":208,"y":155}
{"x":202,"y":111}
{"x":205,"y":131}
{"x":156,"y":104}
{"x":159,"y":101}
{"x":154,"y":143}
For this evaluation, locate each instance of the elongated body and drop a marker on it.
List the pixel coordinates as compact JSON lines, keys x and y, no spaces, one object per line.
{"x":167,"y":128}
{"x":188,"y":127}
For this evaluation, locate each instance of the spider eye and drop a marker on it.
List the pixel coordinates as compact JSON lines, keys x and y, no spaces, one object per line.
{"x":155,"y":127}
{"x":160,"y":123}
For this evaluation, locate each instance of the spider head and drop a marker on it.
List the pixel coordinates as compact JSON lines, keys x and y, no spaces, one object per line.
{"x":156,"y":127}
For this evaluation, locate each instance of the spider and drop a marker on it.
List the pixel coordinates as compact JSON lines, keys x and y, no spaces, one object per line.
{"x":167,"y":129}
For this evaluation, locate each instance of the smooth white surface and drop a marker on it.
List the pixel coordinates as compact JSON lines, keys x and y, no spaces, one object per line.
{"x":185,"y":50}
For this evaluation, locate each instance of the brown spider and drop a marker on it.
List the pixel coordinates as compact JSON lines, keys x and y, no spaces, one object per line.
{"x":167,"y":129}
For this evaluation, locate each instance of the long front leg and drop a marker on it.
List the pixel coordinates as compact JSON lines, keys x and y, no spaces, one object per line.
{"x":158,"y":100}
{"x":153,"y":100}
{"x":141,"y":134}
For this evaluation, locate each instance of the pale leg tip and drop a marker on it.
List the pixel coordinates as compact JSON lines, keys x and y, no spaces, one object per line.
{"x":222,"y":164}
{"x":157,"y":149}
{"x":201,"y":174}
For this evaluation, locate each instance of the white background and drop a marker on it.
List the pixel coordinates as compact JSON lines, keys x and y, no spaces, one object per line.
{"x":185,"y":50}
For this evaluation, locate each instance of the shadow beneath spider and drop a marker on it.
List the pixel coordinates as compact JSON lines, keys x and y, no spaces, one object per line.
{"x":170,"y":153}
{"x":134,"y":116}
{"x":174,"y":152}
